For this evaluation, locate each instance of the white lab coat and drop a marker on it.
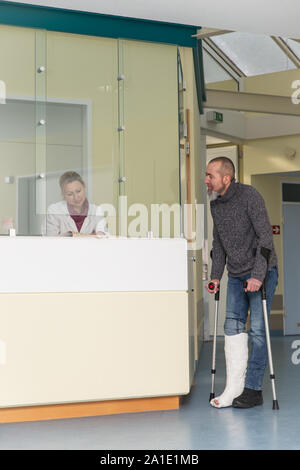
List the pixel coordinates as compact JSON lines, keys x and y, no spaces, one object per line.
{"x":58,"y":220}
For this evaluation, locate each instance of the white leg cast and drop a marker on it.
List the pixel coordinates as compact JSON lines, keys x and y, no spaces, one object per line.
{"x":236,"y":357}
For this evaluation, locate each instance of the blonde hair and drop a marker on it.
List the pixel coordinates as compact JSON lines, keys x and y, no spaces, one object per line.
{"x":69,"y":177}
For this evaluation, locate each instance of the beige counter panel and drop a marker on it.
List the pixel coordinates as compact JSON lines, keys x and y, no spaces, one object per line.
{"x":63,"y":348}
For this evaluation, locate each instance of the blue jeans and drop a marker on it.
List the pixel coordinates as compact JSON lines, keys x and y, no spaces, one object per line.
{"x":238,"y":304}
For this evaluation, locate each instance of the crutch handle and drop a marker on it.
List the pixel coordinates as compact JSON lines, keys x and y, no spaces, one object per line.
{"x":266,"y":254}
{"x":245,"y":284}
{"x":211,"y":287}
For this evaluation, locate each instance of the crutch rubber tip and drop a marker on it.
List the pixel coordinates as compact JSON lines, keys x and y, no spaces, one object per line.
{"x":275,"y":405}
{"x":211,"y":396}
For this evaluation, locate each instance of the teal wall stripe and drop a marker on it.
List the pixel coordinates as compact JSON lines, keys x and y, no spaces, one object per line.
{"x":95,"y":24}
{"x":199,"y":75}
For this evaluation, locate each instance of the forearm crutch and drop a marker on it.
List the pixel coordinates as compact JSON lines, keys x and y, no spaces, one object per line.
{"x":266,"y":253}
{"x":211,"y":287}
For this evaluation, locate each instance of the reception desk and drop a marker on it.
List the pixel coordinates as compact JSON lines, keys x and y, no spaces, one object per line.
{"x":92,"y":326}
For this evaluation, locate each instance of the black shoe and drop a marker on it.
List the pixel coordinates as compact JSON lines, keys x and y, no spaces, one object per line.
{"x":248,"y":399}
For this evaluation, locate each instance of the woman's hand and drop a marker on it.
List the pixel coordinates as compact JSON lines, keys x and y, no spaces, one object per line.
{"x":101,"y":234}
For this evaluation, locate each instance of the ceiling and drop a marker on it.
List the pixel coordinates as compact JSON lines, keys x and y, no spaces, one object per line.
{"x":271,"y":17}
{"x":211,"y":140}
{"x":252,"y":37}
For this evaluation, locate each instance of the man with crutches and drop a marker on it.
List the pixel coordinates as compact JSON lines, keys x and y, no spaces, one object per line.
{"x":241,"y":235}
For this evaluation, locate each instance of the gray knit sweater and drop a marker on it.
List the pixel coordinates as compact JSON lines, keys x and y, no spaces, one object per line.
{"x":241,"y":228}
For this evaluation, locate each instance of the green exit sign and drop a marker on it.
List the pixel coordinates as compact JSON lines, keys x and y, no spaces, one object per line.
{"x":218,"y":116}
{"x":214,"y":116}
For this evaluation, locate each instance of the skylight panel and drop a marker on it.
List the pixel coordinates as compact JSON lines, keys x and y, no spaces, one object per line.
{"x":253,"y":54}
{"x":213,"y":72}
{"x":294,"y":46}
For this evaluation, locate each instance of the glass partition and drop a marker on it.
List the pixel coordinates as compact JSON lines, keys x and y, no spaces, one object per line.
{"x":104,"y":109}
{"x":150,"y":142}
{"x":17,"y":123}
{"x":82,"y":120}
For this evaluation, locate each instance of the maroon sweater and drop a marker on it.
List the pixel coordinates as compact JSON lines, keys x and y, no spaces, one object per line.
{"x":79,"y":218}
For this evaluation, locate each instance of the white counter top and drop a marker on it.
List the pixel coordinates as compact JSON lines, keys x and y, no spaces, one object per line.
{"x":91,"y":264}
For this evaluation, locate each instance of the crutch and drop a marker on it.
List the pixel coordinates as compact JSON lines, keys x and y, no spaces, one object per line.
{"x":211,"y":287}
{"x":266,"y":253}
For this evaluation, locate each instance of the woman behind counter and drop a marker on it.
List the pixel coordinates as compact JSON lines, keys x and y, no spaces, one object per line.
{"x":74,"y":215}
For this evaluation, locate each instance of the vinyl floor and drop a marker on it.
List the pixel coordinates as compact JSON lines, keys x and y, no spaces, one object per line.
{"x":195,"y":426}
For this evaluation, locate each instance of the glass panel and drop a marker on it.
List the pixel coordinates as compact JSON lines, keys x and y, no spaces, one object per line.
{"x":151,"y":140}
{"x":122,"y":220}
{"x":291,"y":192}
{"x":213,"y":72}
{"x":253,"y":54}
{"x":37,"y":203}
{"x":82,"y":136}
{"x":184,"y":174}
{"x":105,"y":109}
{"x":17,"y":124}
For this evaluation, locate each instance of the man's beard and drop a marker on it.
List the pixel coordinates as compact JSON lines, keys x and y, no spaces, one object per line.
{"x":212,"y":195}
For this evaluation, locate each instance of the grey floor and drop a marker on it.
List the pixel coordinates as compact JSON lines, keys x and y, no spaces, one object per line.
{"x":196,"y":426}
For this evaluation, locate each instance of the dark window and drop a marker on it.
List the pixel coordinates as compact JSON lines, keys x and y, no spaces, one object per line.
{"x":290,"y":192}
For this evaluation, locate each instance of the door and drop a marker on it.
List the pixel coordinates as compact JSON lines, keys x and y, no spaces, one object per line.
{"x":291,"y":256}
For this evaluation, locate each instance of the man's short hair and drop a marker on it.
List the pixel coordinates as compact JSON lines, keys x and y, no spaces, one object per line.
{"x":227,"y":165}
